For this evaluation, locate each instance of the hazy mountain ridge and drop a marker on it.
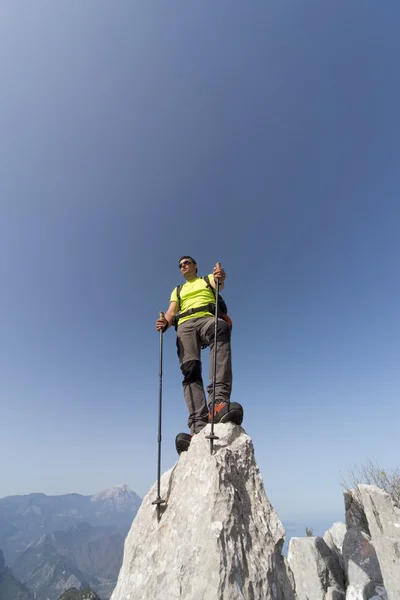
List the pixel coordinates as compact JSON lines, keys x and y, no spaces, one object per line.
{"x":23,"y":519}
{"x":54,"y":543}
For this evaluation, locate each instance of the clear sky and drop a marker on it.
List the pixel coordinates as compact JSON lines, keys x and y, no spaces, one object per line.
{"x":261,"y":134}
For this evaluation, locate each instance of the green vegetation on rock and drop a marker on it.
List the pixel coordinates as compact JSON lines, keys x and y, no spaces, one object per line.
{"x":74,"y":594}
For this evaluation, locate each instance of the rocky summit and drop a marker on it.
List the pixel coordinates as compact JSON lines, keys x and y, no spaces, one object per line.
{"x":217,"y":537}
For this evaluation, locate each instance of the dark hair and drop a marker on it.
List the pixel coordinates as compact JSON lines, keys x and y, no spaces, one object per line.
{"x":189,"y":258}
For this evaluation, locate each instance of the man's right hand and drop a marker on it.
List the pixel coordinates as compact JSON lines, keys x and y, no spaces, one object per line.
{"x":162,"y":324}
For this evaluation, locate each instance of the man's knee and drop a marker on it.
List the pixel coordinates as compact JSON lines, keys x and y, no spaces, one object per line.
{"x":191,"y":371}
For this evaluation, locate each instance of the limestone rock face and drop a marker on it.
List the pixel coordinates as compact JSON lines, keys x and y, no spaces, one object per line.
{"x":354,"y":509}
{"x":361,"y":566}
{"x":217,"y":538}
{"x":334,"y":538}
{"x":316,"y":570}
{"x":384,"y":525}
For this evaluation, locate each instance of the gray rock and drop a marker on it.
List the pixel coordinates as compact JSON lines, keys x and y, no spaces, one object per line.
{"x":384,"y":525}
{"x":361,"y":566}
{"x":316,"y":570}
{"x":218,"y":538}
{"x":354,"y":511}
{"x":334,"y":539}
{"x":380,"y":594}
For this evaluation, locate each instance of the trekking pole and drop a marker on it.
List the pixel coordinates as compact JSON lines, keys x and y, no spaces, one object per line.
{"x":212,"y":435}
{"x":158,"y":501}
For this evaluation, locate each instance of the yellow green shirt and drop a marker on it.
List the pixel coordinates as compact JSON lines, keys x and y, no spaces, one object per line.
{"x":194,"y":293}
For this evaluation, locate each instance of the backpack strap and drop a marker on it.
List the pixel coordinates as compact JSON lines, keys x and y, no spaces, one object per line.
{"x":178,"y":294}
{"x":207,"y":280}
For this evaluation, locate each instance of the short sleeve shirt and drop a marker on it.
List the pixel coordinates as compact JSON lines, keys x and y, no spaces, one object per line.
{"x":194,"y":293}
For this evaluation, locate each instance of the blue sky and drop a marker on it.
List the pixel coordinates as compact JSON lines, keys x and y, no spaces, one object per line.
{"x":261,"y":135}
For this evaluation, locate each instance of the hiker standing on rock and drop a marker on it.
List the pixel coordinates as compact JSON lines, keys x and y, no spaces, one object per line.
{"x":192,"y":307}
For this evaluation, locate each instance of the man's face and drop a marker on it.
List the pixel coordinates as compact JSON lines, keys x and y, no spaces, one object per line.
{"x":187,"y":268}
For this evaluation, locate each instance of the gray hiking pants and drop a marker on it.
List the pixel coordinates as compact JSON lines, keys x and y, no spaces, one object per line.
{"x":191,"y":336}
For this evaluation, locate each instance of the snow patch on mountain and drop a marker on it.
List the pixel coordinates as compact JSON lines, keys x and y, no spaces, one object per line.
{"x":119,"y":498}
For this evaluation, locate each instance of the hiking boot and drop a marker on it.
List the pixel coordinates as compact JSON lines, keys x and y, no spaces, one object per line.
{"x":225,"y":412}
{"x":182,"y":442}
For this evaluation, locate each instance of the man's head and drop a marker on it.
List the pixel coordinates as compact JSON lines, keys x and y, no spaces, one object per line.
{"x":188,"y":267}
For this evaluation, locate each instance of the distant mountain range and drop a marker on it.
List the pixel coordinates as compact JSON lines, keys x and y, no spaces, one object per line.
{"x":23,"y":519}
{"x":53,"y":543}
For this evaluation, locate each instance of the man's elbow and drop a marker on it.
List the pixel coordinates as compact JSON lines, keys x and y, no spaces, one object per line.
{"x":172,"y":310}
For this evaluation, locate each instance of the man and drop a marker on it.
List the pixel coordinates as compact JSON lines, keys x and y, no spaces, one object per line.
{"x":196,"y":329}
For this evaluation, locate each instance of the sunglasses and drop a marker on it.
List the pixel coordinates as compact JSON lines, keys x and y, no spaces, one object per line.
{"x":185,"y":262}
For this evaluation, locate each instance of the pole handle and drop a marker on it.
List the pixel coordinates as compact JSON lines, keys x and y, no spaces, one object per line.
{"x":218,"y":265}
{"x":161,"y":316}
